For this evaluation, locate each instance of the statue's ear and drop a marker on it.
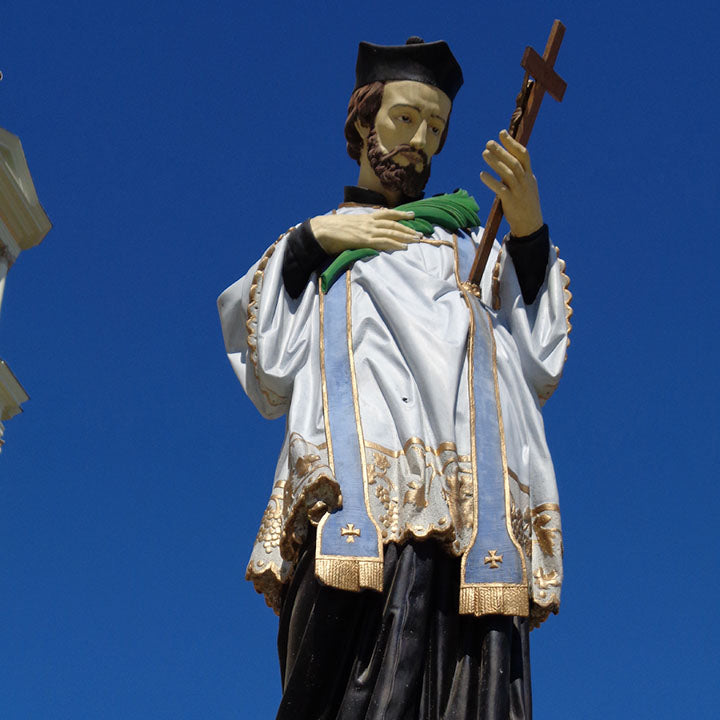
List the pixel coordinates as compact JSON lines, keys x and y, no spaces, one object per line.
{"x":363,"y":130}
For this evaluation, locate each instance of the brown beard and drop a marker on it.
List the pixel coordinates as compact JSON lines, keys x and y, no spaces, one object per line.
{"x":393,"y":176}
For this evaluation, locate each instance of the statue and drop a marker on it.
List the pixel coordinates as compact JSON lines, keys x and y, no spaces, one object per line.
{"x":412,"y":537}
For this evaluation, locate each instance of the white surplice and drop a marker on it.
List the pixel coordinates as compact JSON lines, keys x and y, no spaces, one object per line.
{"x":409,"y":329}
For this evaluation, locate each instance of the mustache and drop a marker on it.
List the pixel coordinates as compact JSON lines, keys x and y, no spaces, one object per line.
{"x":419,"y":155}
{"x":394,"y":176}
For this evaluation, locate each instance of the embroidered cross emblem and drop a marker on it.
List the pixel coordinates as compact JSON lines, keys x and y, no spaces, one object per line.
{"x":350,"y":532}
{"x":493,"y":559}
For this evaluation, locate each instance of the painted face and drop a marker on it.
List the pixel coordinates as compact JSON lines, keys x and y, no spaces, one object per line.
{"x":412,"y":114}
{"x":406,"y":134}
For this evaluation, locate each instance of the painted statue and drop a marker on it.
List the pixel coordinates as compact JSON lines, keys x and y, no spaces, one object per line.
{"x":412,"y":537}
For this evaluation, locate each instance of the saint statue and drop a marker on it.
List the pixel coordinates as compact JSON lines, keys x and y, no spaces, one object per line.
{"x":412,"y":537}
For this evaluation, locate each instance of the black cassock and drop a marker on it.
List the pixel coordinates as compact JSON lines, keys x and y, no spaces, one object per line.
{"x":405,"y":654}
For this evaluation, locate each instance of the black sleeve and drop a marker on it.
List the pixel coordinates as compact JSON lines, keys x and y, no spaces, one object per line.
{"x":530,"y":257}
{"x":303,"y":255}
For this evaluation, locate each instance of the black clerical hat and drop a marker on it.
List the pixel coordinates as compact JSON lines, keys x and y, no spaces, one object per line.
{"x":430,"y":63}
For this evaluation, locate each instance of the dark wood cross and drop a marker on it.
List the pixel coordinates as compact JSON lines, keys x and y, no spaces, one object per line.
{"x":545,"y":79}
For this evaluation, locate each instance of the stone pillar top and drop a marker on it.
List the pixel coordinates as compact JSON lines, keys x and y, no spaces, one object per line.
{"x":23,"y":222}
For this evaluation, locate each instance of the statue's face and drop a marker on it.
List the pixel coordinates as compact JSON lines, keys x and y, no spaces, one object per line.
{"x":411,"y":114}
{"x":406,"y":133}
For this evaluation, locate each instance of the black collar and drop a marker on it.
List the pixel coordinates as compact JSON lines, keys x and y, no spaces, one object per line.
{"x":363,"y":196}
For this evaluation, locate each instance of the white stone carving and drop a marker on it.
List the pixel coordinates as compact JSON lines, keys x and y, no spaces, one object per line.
{"x":23,"y":224}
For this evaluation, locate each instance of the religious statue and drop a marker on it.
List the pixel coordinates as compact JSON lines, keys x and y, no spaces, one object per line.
{"x":412,"y":537}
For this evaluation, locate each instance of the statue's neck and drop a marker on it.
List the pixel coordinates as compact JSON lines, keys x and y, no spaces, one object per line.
{"x":368,"y":179}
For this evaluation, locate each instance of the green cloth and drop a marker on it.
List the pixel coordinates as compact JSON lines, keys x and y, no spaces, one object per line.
{"x":341,"y":263}
{"x":451,"y":212}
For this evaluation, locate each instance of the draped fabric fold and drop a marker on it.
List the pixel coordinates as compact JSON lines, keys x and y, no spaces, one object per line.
{"x":404,"y":653}
{"x":411,"y":323}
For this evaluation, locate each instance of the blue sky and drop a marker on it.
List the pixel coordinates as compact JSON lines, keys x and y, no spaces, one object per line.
{"x":170,"y":143}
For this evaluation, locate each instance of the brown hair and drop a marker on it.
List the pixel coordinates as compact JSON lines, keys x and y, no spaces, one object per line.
{"x":363,"y":106}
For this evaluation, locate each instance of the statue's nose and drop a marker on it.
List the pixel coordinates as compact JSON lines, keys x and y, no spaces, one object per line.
{"x":420,"y":137}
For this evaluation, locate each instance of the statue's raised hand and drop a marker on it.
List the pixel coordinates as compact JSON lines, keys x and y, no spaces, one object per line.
{"x":517,"y":187}
{"x":378,"y":230}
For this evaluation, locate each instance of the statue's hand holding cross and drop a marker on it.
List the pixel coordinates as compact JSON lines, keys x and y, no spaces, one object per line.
{"x":517,"y":187}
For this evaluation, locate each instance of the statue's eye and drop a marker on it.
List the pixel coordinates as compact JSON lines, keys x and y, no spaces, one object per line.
{"x":435,"y":130}
{"x":405,"y":118}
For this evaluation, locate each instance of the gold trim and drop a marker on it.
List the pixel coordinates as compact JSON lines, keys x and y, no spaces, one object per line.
{"x":481,"y":599}
{"x":326,"y":412}
{"x":469,"y":597}
{"x":458,"y":282}
{"x":360,"y":434}
{"x":506,"y":480}
{"x":543,"y":534}
{"x":290,"y":542}
{"x":457,"y":459}
{"x":472,"y":288}
{"x":351,"y":574}
{"x":546,"y":580}
{"x":271,"y":523}
{"x":323,"y":382}
{"x":539,"y":613}
{"x":252,"y":309}
{"x":567,"y":295}
{"x":494,"y":599}
{"x":339,"y":571}
{"x":436,"y":243}
{"x":349,"y":532}
{"x":383,"y":449}
{"x":446,"y":446}
{"x":524,"y":488}
{"x":493,"y":559}
{"x":267,"y":581}
{"x":553,"y":507}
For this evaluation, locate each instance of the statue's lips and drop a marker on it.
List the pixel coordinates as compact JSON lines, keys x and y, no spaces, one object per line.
{"x":412,"y":157}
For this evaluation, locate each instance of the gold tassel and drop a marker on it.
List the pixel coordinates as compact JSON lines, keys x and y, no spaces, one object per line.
{"x":350,"y":573}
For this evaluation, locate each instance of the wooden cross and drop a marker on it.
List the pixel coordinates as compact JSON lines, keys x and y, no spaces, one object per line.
{"x":545,"y":79}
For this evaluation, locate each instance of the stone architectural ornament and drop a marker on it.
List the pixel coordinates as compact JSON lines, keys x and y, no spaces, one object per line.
{"x":23,"y":224}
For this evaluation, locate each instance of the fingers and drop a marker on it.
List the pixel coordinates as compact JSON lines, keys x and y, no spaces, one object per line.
{"x":390,"y":214}
{"x":392,"y":226}
{"x":511,"y":163}
{"x":517,"y":187}
{"x":503,"y":163}
{"x":389,"y":245}
{"x":518,"y":150}
{"x":495,"y":185}
{"x":396,"y":236}
{"x":391,"y":237}
{"x":378,"y":230}
{"x":389,"y":234}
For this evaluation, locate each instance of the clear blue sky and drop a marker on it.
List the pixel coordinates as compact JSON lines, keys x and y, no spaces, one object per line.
{"x":170,"y":143}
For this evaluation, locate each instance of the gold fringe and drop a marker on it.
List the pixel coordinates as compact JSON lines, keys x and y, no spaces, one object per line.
{"x":494,"y":600}
{"x":251,"y":323}
{"x":566,"y":293}
{"x":350,"y":573}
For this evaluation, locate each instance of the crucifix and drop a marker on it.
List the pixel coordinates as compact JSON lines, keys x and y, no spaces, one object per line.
{"x":540,"y":77}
